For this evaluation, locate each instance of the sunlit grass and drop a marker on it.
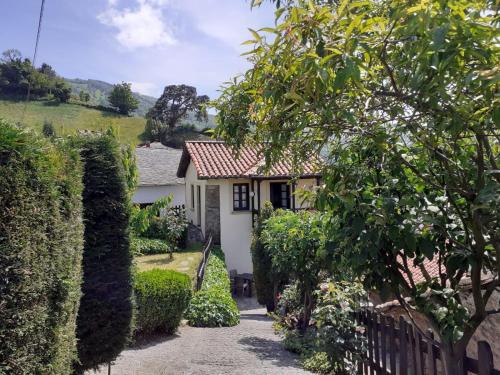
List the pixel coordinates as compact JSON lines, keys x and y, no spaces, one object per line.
{"x":68,"y":118}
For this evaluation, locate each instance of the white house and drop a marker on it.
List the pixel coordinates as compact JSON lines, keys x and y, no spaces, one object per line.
{"x":225,"y":192}
{"x":157,"y":165}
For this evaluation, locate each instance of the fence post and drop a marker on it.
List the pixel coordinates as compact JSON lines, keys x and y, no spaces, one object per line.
{"x":403,"y":350}
{"x":431,"y":359}
{"x":383,"y":343}
{"x":392,"y":346}
{"x":484,"y":358}
{"x":369,"y":324}
{"x":418,"y":353}
{"x":376,"y":346}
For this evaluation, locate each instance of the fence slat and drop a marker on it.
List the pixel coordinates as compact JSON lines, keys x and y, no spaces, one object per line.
{"x":383,"y":344}
{"x":485,"y":358}
{"x":365,"y":362}
{"x":431,"y":359}
{"x":369,"y":322}
{"x":419,"y":357}
{"x":376,"y":345}
{"x":403,"y":348}
{"x":392,"y":346}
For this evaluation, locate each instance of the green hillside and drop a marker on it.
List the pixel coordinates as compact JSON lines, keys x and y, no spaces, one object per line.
{"x":100,"y":90}
{"x":68,"y":118}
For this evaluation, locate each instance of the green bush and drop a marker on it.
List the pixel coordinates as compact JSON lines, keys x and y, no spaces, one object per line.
{"x":160,"y":221}
{"x":212,"y":308}
{"x":41,"y":241}
{"x":265,"y":283}
{"x":161,"y":298}
{"x":213,"y":305}
{"x":104,"y":318}
{"x":169,"y":226}
{"x":149,"y":246}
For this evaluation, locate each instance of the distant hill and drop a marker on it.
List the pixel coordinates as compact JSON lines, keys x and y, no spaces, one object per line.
{"x":99,"y":91}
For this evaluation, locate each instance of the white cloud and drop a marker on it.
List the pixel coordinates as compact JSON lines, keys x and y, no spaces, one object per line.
{"x":145,"y":88}
{"x":140,"y":27}
{"x":226,"y":20}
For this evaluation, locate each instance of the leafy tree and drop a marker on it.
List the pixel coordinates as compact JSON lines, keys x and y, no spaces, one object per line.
{"x":121,"y":98}
{"x":48,"y":129}
{"x":48,"y":71}
{"x":10,"y":56}
{"x":61,"y":90}
{"x":176,"y":102}
{"x":105,"y":314}
{"x":84,"y":96}
{"x":16,"y":75}
{"x":404,"y":94}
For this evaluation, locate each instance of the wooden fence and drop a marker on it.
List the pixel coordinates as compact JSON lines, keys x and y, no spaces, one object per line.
{"x":201,"y":268}
{"x":399,"y":348}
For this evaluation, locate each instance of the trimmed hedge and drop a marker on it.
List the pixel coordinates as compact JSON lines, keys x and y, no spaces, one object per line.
{"x":106,"y":308}
{"x":161,"y":298}
{"x":149,"y":246}
{"x":213,"y":305}
{"x":41,"y":241}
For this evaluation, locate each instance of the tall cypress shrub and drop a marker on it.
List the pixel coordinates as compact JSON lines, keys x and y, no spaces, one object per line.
{"x":41,"y":240}
{"x":261,"y":259}
{"x":104,"y":318}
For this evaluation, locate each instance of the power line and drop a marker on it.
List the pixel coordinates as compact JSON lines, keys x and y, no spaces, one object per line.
{"x":34,"y":55}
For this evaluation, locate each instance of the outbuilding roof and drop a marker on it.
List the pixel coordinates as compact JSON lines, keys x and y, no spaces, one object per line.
{"x":157,"y":165}
{"x":215,"y":159}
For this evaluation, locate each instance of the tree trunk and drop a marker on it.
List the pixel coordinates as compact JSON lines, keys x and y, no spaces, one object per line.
{"x":452,"y":359}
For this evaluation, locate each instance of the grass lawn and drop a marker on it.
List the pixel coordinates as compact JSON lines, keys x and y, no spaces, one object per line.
{"x":186,"y":261}
{"x":68,"y":118}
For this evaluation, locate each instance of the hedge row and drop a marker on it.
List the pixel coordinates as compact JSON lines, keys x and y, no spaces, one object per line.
{"x":213,"y":305}
{"x":149,"y":246}
{"x":106,"y":308}
{"x":161,"y":297}
{"x":41,"y":240}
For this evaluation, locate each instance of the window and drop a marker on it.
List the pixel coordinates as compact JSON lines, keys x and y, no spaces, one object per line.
{"x":192,"y":196}
{"x":240,"y":197}
{"x":280,"y":195}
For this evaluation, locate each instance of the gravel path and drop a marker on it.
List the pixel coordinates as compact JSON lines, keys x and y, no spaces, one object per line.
{"x":251,"y":348}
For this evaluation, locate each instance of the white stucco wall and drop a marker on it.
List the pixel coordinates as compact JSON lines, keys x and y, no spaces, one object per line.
{"x":236,"y":228}
{"x":149,"y":194}
{"x":192,"y":211}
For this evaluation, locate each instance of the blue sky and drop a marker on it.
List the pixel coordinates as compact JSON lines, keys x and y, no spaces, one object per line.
{"x":151,"y":43}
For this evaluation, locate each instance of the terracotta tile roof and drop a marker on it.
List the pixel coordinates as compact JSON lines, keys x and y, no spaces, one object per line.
{"x":215,"y":159}
{"x":431,"y":266}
